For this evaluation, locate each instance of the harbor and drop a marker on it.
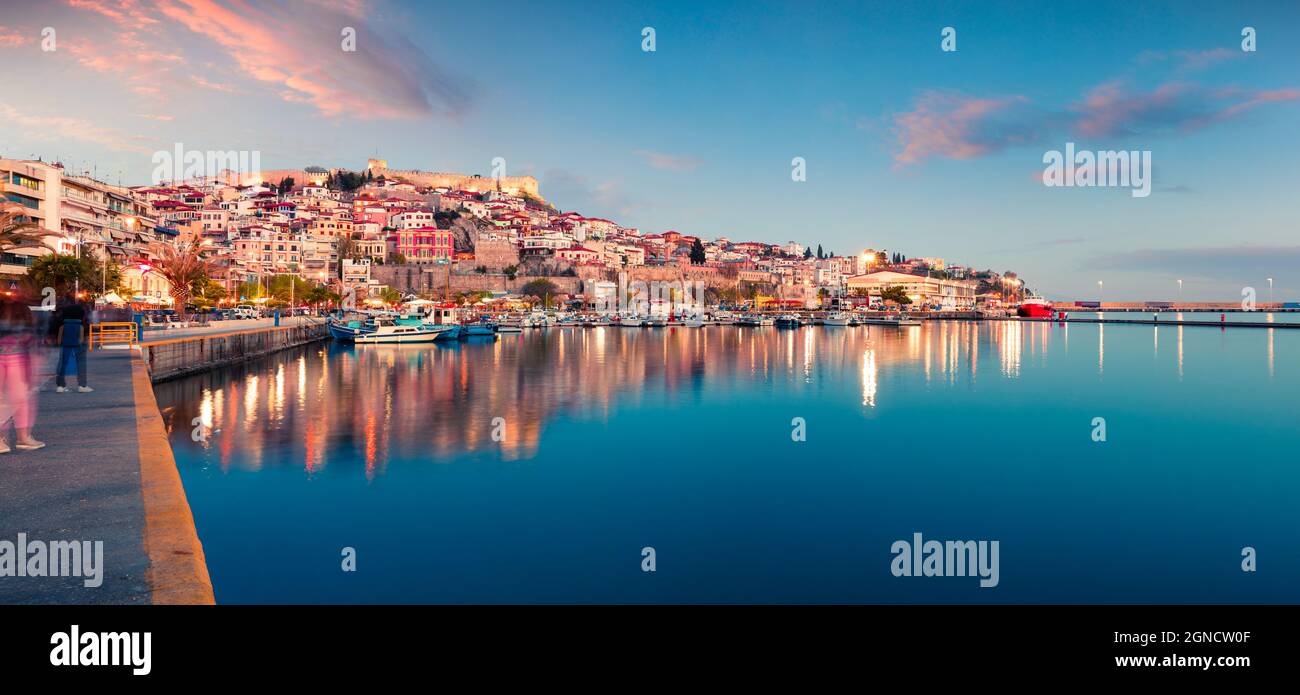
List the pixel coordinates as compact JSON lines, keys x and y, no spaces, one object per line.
{"x":309,"y":438}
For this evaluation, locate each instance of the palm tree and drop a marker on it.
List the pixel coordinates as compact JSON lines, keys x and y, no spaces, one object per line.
{"x":182,"y":266}
{"x":17,"y":230}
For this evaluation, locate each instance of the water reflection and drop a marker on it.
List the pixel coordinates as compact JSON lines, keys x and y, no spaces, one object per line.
{"x":335,"y":405}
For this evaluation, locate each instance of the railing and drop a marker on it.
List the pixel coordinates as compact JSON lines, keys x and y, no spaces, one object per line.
{"x":114,"y":333}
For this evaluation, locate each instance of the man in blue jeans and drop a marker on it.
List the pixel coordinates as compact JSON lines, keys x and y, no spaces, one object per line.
{"x":74,"y":334}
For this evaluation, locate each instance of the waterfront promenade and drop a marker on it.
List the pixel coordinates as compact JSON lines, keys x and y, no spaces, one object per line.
{"x":106,"y":474}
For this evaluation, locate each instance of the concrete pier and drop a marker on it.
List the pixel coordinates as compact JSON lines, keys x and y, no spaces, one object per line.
{"x":105,"y":475}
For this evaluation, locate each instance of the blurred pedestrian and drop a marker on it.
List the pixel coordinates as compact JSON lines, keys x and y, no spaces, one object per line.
{"x":18,"y":339}
{"x":73,"y":338}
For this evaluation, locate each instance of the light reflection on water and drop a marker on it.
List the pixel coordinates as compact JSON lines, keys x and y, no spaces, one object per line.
{"x":680,"y":438}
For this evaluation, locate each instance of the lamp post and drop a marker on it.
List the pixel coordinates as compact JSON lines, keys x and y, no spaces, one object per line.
{"x":1180,"y":291}
{"x":1270,"y":290}
{"x":1100,"y":287}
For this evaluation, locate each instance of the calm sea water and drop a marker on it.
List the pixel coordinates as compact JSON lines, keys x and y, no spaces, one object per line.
{"x":1229,"y":316}
{"x":681,"y":440}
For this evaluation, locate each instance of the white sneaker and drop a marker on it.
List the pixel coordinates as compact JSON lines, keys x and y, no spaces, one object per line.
{"x":61,"y":389}
{"x":84,"y":389}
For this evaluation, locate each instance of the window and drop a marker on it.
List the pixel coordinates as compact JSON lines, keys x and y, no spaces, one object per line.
{"x":24,"y":200}
{"x":26,"y":181}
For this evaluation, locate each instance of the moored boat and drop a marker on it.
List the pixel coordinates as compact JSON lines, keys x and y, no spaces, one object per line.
{"x":390,"y":331}
{"x":1034,"y":307}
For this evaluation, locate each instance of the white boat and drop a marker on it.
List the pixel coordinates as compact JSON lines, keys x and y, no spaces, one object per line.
{"x":724,"y":318}
{"x":654,"y":321}
{"x":838,"y":318}
{"x":908,"y":321}
{"x":390,"y":331}
{"x":631,"y":322}
{"x":693,"y":322}
{"x":765,"y":320}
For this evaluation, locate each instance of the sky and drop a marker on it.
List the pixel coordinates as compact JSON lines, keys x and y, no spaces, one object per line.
{"x":907,"y":147}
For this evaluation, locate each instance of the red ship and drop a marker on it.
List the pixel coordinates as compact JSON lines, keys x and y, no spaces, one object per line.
{"x":1035,"y":308}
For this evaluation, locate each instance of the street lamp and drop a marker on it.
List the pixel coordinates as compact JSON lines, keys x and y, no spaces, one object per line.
{"x":1180,"y":291}
{"x":1270,"y":290}
{"x":1100,"y":287}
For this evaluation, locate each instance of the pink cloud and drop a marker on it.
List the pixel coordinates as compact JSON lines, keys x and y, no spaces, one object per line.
{"x":954,"y":126}
{"x":1111,"y":109}
{"x":12,"y":38}
{"x":301,"y":54}
{"x":130,"y":14}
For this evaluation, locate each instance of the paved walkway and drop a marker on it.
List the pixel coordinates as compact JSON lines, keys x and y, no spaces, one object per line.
{"x":106,"y":474}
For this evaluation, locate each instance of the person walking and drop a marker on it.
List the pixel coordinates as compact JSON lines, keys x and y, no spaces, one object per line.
{"x":72,"y":339}
{"x":17,"y":389}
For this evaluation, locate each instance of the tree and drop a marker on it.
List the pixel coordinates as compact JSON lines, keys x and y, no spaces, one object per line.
{"x":541,"y":287}
{"x":807,"y":253}
{"x":181,"y":265}
{"x":511,"y":271}
{"x":321,"y":294}
{"x":697,"y":253}
{"x":64,"y":273}
{"x":17,"y":230}
{"x":286,"y":185}
{"x":285,"y":289}
{"x":819,"y":252}
{"x":207,"y":293}
{"x":391,"y":296}
{"x":895,"y":294}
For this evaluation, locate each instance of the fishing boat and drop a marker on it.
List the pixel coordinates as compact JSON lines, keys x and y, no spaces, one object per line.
{"x":838,"y":318}
{"x":788,"y":321}
{"x":477,"y":330}
{"x":389,"y":331}
{"x":346,"y":329}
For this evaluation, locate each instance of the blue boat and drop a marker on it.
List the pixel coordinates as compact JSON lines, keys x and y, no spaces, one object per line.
{"x":474,"y":330}
{"x":788,"y":321}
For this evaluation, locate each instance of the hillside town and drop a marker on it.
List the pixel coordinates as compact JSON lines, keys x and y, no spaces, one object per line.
{"x":312,"y":235}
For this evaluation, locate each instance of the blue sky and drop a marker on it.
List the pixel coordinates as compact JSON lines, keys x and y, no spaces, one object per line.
{"x":908,"y":148}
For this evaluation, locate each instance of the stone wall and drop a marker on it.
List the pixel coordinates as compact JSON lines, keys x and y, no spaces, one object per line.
{"x":168,"y":359}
